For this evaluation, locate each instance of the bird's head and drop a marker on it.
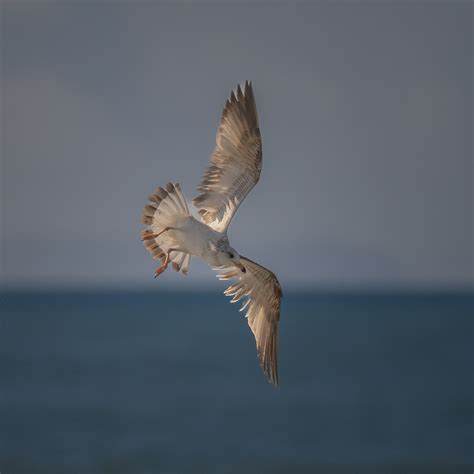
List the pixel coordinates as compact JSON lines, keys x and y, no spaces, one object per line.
{"x":230,"y":257}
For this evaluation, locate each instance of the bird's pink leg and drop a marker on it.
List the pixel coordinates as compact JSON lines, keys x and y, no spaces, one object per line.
{"x":163,"y":267}
{"x":154,"y":236}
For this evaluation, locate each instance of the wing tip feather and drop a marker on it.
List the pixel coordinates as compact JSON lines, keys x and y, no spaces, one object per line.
{"x":265,"y":330}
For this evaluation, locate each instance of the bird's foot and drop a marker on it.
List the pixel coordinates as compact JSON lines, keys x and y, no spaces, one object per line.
{"x":160,"y":270}
{"x":165,"y":264}
{"x":149,"y":237}
{"x":154,"y":236}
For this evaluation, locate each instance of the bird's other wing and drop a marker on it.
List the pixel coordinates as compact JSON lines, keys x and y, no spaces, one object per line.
{"x":235,"y":164}
{"x":263,"y":292}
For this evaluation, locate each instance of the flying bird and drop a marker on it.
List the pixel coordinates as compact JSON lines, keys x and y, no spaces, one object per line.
{"x":174,"y":235}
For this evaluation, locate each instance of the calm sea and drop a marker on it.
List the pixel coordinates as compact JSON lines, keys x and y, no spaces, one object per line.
{"x":169,"y":383}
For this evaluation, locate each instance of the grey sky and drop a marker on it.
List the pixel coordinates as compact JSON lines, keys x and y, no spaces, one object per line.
{"x":366,"y":118}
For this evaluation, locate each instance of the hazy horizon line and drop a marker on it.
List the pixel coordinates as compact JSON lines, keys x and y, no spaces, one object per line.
{"x":207,"y":288}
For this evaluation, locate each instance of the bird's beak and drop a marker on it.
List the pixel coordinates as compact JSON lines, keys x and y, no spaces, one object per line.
{"x":242,"y":268}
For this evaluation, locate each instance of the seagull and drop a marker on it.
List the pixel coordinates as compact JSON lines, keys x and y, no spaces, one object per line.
{"x":173,"y":235}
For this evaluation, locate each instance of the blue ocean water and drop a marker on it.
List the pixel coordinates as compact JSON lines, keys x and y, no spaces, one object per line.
{"x":158,"y":382}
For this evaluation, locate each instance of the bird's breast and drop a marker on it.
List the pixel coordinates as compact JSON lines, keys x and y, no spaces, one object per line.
{"x":199,"y":240}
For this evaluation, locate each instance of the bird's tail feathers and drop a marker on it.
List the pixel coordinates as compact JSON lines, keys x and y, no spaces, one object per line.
{"x":167,"y":208}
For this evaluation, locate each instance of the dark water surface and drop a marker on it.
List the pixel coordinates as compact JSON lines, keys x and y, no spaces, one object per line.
{"x":169,"y":383}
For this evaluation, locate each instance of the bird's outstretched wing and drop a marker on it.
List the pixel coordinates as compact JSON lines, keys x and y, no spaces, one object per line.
{"x":235,"y":164}
{"x":263,"y":292}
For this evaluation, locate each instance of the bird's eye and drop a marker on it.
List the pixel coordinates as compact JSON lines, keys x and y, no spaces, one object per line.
{"x":231,"y":255}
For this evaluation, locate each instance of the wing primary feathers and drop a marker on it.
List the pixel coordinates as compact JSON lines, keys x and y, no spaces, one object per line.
{"x":263,"y":292}
{"x":236,"y":162}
